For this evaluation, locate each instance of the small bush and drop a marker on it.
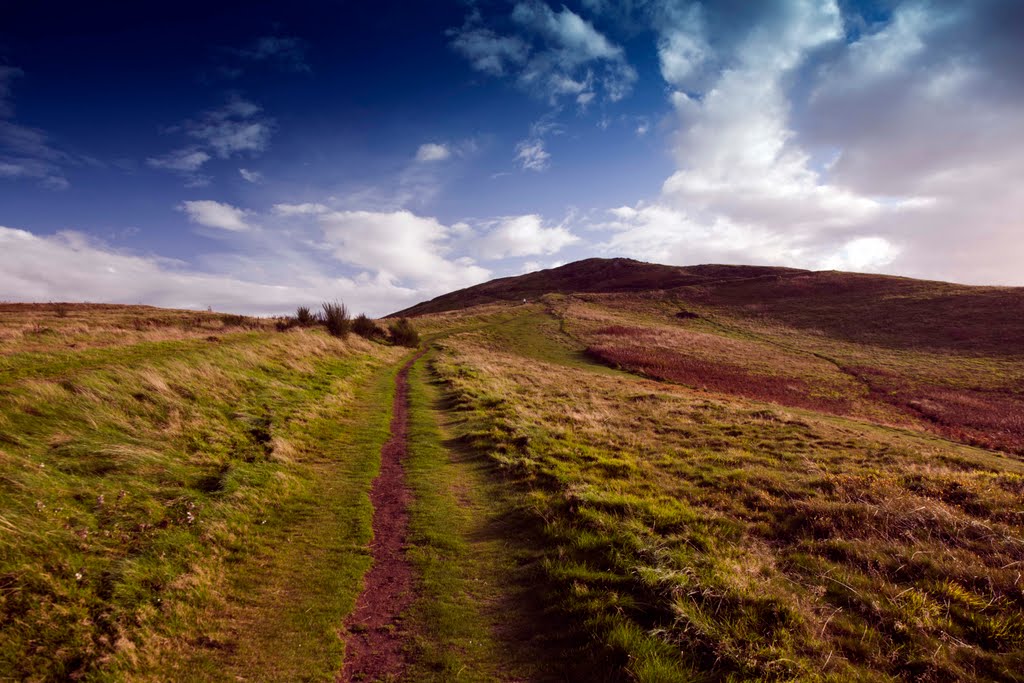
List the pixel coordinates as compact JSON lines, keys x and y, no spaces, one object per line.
{"x":61,"y":310}
{"x":336,"y":319}
{"x":304,"y":317}
{"x":285,"y":324}
{"x":404,"y":334}
{"x":365,"y":327}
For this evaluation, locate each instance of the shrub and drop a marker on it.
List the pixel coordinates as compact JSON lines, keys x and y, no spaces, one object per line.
{"x":365,"y":327}
{"x":304,"y":317}
{"x":61,"y":310}
{"x":336,"y":319}
{"x":403,"y":333}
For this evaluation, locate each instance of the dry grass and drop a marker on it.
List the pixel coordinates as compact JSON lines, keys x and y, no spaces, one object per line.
{"x":142,"y":471}
{"x":712,"y":536}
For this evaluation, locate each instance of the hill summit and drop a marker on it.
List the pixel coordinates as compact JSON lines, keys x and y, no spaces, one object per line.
{"x":593,"y":275}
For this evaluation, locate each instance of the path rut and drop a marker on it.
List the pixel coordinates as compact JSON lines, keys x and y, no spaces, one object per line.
{"x":375,"y":637}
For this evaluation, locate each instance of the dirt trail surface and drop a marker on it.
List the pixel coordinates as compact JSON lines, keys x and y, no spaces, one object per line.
{"x":375,"y":637}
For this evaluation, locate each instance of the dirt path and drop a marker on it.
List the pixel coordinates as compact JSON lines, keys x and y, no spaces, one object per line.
{"x":375,"y":637}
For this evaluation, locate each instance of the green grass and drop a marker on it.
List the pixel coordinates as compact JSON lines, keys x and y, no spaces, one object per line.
{"x":292,"y":589}
{"x":151,"y":493}
{"x":698,"y":536}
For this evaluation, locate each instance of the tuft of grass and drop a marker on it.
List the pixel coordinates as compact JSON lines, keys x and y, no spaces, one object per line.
{"x":336,"y":319}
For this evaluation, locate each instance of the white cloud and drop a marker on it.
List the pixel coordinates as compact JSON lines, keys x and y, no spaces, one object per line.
{"x":432,"y":151}
{"x":216,"y":215}
{"x":567,"y":30}
{"x":254,"y":177}
{"x":903,"y":150}
{"x":487,"y":51}
{"x":555,"y":54}
{"x":234,"y":128}
{"x":522,"y":236}
{"x":305,"y":209}
{"x":69,"y":266}
{"x":187,"y":160}
{"x":401,"y":247}
{"x":683,"y":47}
{"x":863,"y":253}
{"x":531,"y":155}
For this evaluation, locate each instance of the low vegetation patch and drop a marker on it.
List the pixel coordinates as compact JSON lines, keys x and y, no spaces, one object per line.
{"x":718,"y":377}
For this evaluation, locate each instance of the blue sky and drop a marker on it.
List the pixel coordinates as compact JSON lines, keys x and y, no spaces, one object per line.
{"x":256,"y":156}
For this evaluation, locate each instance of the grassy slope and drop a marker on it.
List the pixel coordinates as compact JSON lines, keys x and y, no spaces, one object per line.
{"x":164,"y":499}
{"x":696,"y":534}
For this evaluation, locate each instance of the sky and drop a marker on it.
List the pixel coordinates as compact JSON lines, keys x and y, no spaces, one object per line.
{"x":252,"y":157}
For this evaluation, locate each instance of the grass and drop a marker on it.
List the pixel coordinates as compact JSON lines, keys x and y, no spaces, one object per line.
{"x":699,"y":535}
{"x":973,"y":398}
{"x":453,"y":633}
{"x":481,"y":613}
{"x":146,"y":487}
{"x":730,"y":480}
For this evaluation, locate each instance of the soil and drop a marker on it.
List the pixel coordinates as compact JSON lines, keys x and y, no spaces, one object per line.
{"x":374,"y":632}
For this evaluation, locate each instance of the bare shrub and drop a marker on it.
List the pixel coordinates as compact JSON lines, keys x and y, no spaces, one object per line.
{"x":365,"y":327}
{"x":403,"y":333}
{"x":336,"y":318}
{"x":305,"y":317}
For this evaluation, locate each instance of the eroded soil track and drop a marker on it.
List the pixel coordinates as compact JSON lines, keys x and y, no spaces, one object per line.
{"x":374,"y":633}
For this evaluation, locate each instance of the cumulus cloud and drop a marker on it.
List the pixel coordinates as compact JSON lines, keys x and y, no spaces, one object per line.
{"x":432,"y":151}
{"x":213,"y":214}
{"x":522,"y":236}
{"x":820,"y":139}
{"x":401,"y":246}
{"x":552,"y":54}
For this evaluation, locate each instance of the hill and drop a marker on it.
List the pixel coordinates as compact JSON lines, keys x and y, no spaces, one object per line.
{"x":790,"y":476}
{"x":883,"y":309}
{"x":643,"y":473}
{"x":590,"y":275}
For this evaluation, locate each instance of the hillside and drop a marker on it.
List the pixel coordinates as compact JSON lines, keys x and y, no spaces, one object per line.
{"x":643,"y":473}
{"x":806,"y":476}
{"x":882,"y":309}
{"x":591,"y":275}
